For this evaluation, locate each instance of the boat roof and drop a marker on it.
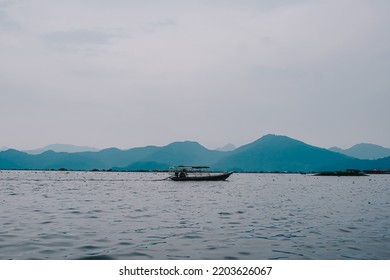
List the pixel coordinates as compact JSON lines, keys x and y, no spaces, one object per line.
{"x":192,"y":166}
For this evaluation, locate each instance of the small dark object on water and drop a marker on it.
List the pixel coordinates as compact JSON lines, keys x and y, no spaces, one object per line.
{"x":348,"y":172}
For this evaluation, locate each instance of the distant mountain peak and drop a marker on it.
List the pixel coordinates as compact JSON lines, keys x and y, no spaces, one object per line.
{"x":227,"y":148}
{"x":112,"y":149}
{"x":58,"y":148}
{"x":364,"y":151}
{"x":186,"y":144}
{"x":275,"y":137}
{"x":272,"y":141}
{"x":366,"y":145}
{"x":280,"y":137}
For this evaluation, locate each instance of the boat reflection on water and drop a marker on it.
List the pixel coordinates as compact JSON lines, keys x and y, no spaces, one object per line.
{"x":197,"y":173}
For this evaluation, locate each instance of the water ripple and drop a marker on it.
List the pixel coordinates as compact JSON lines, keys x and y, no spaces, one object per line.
{"x":108,"y":215}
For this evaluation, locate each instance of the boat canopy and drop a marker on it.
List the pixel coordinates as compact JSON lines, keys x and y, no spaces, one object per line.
{"x":192,"y":167}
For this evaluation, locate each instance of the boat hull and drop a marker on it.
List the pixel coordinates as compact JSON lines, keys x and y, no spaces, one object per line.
{"x":219,"y":177}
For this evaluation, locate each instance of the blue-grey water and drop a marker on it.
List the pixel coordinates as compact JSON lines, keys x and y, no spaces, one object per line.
{"x":93,"y":215}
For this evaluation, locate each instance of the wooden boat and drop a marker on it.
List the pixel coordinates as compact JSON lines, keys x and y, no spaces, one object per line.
{"x":197,"y":173}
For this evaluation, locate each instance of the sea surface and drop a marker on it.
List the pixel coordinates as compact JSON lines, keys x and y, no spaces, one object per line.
{"x":108,"y":215}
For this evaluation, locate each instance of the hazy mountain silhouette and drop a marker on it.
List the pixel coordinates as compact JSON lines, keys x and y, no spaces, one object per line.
{"x":364,"y":151}
{"x":13,"y":159}
{"x":67,"y":148}
{"x":227,"y":148}
{"x":269,"y":153}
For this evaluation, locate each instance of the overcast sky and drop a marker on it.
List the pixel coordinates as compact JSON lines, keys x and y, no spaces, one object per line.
{"x":124,"y":73}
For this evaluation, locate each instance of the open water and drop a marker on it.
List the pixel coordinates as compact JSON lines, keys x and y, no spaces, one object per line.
{"x":93,"y":215}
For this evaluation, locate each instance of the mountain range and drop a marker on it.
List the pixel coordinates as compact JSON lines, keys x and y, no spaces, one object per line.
{"x":364,"y":151}
{"x":270,"y":153}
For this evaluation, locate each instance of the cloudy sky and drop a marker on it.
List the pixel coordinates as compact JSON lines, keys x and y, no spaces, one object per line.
{"x":128,"y":73}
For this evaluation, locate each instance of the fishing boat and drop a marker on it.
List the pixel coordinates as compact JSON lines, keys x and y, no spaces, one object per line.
{"x":197,"y":173}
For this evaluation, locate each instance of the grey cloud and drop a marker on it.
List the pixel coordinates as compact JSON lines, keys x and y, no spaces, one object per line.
{"x":155,"y":26}
{"x":5,"y":22}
